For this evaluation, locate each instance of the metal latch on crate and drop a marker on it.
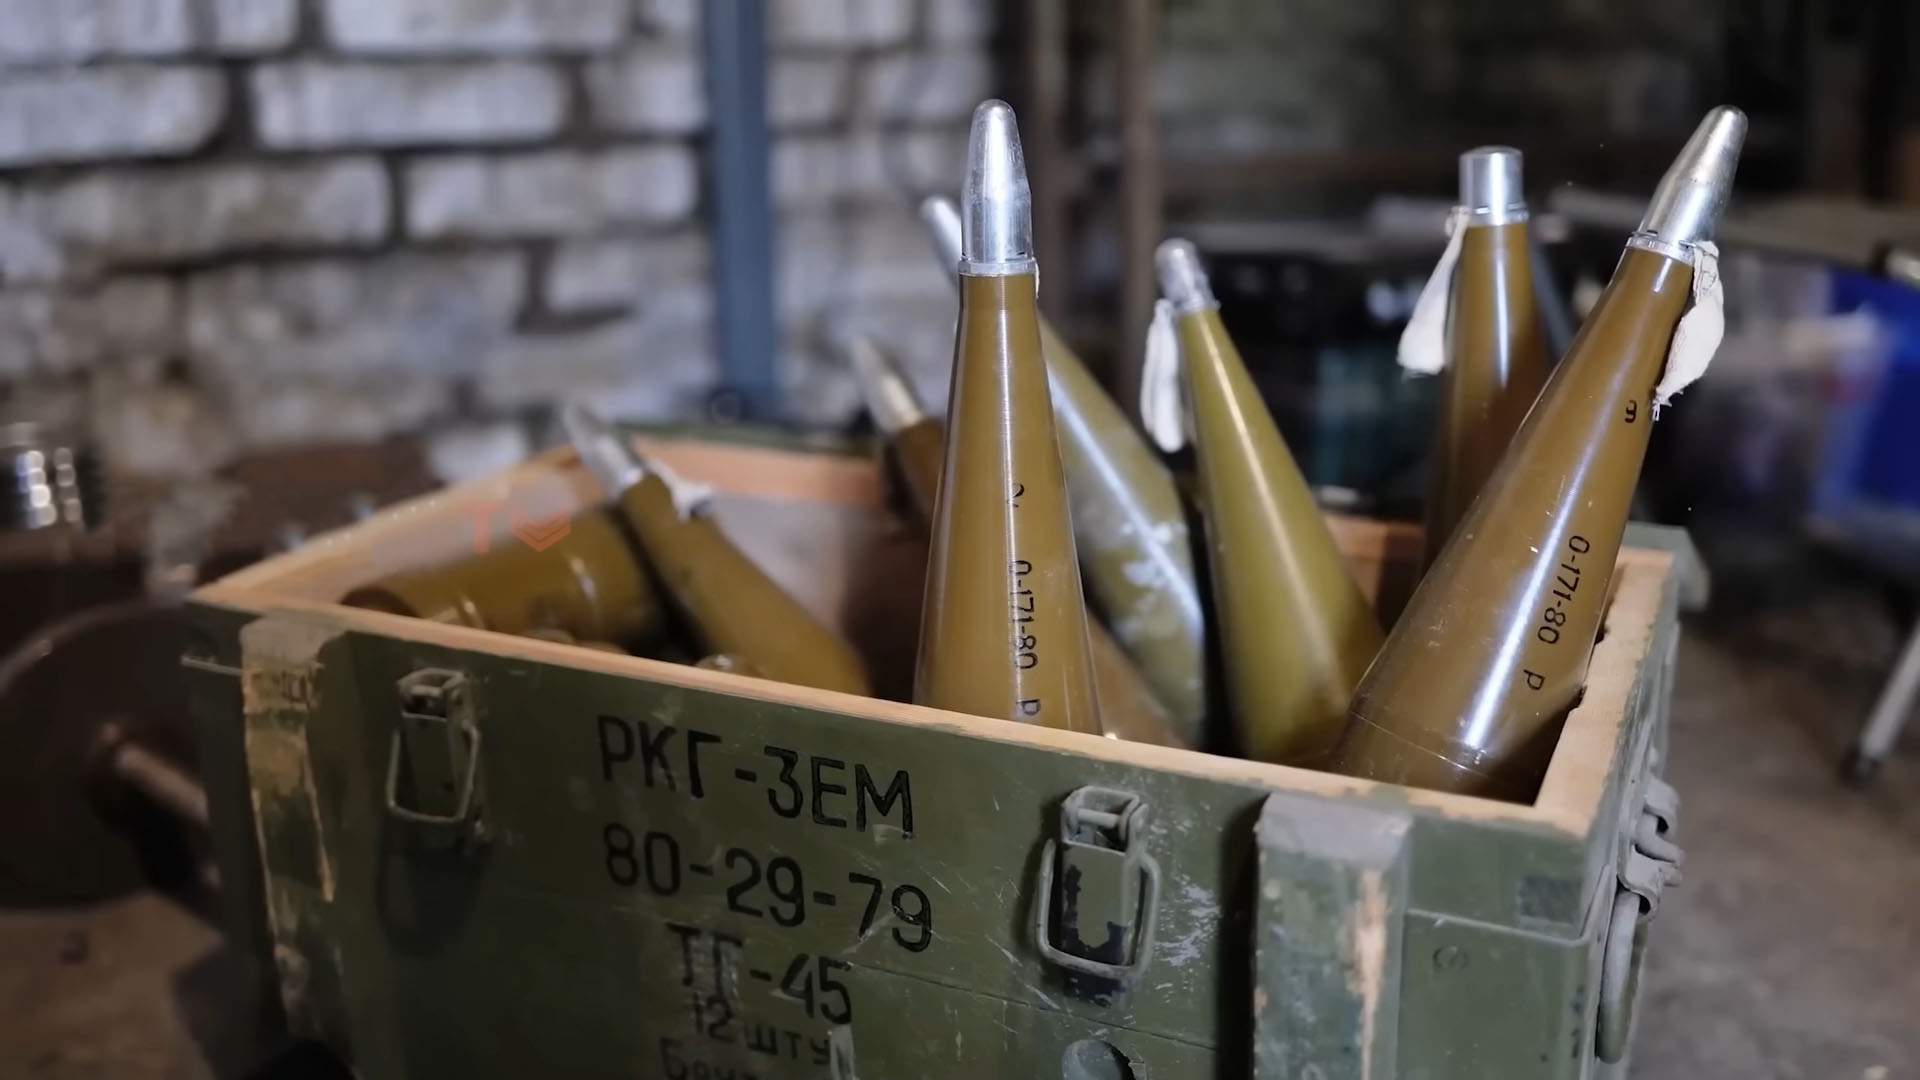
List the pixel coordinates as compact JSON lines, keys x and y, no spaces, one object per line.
{"x":433,"y":758}
{"x":1652,"y":864}
{"x":1097,"y":891}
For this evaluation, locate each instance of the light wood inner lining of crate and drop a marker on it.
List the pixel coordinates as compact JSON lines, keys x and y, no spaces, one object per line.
{"x":441,"y":526}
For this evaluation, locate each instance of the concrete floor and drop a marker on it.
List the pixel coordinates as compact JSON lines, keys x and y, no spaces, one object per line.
{"x":125,"y":991}
{"x":1791,"y":951}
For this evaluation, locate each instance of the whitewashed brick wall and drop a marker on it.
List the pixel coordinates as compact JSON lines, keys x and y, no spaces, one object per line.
{"x":232,"y":223}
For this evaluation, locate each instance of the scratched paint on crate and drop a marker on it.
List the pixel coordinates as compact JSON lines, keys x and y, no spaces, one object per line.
{"x":692,"y":884}
{"x":772,"y":967}
{"x":528,"y":956}
{"x":718,"y":887}
{"x":669,"y":889}
{"x":701,"y":886}
{"x":751,"y":999}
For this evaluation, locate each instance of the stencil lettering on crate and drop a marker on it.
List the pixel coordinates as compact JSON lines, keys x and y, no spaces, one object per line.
{"x":773,"y":891}
{"x":826,"y":790}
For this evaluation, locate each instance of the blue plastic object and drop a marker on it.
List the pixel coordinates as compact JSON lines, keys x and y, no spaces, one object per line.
{"x":1874,"y":456}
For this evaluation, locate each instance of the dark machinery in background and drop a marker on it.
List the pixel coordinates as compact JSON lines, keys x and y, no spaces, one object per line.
{"x":100,"y":795}
{"x":98,"y":789}
{"x":1317,"y":310}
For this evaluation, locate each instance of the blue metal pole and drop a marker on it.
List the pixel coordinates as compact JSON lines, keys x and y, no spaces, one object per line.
{"x":742,"y":203}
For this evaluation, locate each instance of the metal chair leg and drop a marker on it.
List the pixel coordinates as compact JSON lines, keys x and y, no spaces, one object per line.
{"x":1889,"y":715}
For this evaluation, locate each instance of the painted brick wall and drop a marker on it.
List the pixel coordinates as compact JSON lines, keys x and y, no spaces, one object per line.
{"x":231,"y":223}
{"x":227,"y":224}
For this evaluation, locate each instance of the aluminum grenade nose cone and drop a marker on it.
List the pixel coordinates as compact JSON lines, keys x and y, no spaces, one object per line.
{"x":1686,"y":206}
{"x":1183,"y":280}
{"x":941,"y":219}
{"x":889,"y":397}
{"x":602,"y":450}
{"x":1490,"y":185}
{"x":996,"y":207}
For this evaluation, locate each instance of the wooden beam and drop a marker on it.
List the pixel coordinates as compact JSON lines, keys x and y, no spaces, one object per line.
{"x":1042,"y":124}
{"x":1140,"y":190}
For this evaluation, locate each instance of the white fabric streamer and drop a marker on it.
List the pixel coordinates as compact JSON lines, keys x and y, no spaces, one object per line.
{"x":1161,"y":411}
{"x":1423,"y":344}
{"x":1698,"y":335}
{"x":689,"y":496}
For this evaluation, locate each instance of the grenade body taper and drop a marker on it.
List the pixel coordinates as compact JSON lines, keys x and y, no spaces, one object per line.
{"x":1492,"y":650}
{"x":589,"y":583}
{"x":1295,"y":629}
{"x":1496,"y":349}
{"x":728,"y":603}
{"x":1129,"y":525}
{"x":1128,"y":709}
{"x":1003,"y":630}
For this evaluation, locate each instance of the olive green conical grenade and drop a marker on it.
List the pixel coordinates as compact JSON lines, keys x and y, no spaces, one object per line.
{"x":913,"y":436}
{"x":1003,"y":630}
{"x":730,"y":604}
{"x":1128,"y":522}
{"x":1128,"y":709}
{"x":589,"y":584}
{"x":1469,"y":691}
{"x":1495,"y":346}
{"x":1295,"y":629}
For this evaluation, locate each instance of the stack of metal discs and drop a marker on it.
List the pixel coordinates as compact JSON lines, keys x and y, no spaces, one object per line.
{"x":47,"y":480}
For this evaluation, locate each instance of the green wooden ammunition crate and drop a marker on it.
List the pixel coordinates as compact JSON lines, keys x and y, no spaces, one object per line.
{"x":610,"y":866}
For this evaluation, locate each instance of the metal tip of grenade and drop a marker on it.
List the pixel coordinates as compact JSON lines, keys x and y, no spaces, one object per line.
{"x":890,"y":398}
{"x":1686,"y":206}
{"x":1183,"y":280}
{"x":605,"y":453}
{"x":996,"y":207}
{"x":941,"y":219}
{"x":1490,"y":184}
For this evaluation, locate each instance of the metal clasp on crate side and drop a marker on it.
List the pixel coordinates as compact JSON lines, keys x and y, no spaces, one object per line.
{"x":1107,"y":886}
{"x":438,"y":744}
{"x":1652,"y":863}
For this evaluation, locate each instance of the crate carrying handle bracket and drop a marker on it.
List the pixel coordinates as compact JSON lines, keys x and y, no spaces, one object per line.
{"x":1652,"y":863}
{"x":1100,"y":823}
{"x":436,"y":729}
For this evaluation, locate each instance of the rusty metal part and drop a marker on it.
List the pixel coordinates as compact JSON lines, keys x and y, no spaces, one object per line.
{"x":157,"y":777}
{"x":72,"y":829}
